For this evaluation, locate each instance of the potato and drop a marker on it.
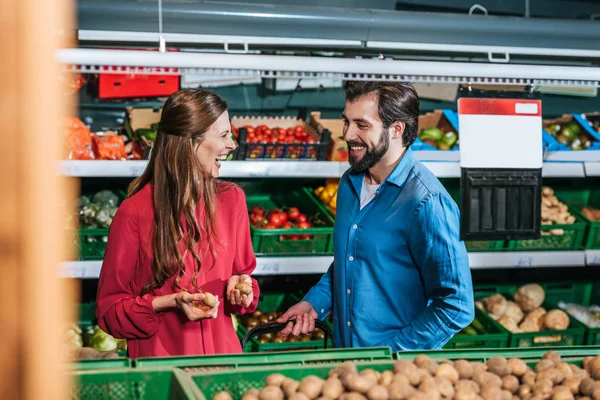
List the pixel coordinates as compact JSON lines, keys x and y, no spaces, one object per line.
{"x":572,"y":384}
{"x":530,"y":297}
{"x":510,"y":383}
{"x":357,"y":383}
{"x":517,"y":366}
{"x":447,"y":371}
{"x":429,"y":386}
{"x":400,"y":379}
{"x":423,"y":396}
{"x":251,"y":394}
{"x":311,"y":386}
{"x":529,"y":326}
{"x":543,"y":389}
{"x":596,"y":374}
{"x":324,"y":398}
{"x":478,"y":366}
{"x":290,"y":386}
{"x":275,"y":380}
{"x":464,"y":369}
{"x":596,"y":394}
{"x":586,"y":363}
{"x":298,"y":396}
{"x":562,"y":393}
{"x":491,"y":392}
{"x":377,"y":392}
{"x":535,"y":316}
{"x":371,"y":374}
{"x":524,"y":391}
{"x":467,"y":384}
{"x":587,"y":386}
{"x":222,"y":396}
{"x":466,"y":394}
{"x":556,"y":320}
{"x":444,"y":386}
{"x":513,"y":311}
{"x":209,"y":300}
{"x":386,"y":378}
{"x":479,"y":304}
{"x":564,"y":369}
{"x":544,"y":364}
{"x":333,"y":388}
{"x":408,"y":369}
{"x":244,"y":288}
{"x":495,"y":306}
{"x":487,"y":378}
{"x":509,"y":323}
{"x":352,"y":396}
{"x":400,"y":389}
{"x":270,"y":393}
{"x":552,"y":374}
{"x":347,"y":367}
{"x":553,"y":356}
{"x":426,"y":363}
{"x":528,"y":379}
{"x":499,"y":366}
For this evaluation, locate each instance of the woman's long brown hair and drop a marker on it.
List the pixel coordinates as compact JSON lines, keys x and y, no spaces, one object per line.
{"x":179,"y":185}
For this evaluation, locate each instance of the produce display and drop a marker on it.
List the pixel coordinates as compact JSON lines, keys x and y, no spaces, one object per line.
{"x":554,"y":212}
{"x":279,"y":142}
{"x":104,"y":145}
{"x":277,"y":218}
{"x":593,"y":214}
{"x":92,"y":343}
{"x":259,"y":317}
{"x":425,"y":378}
{"x":438,"y":139}
{"x":525,"y":313}
{"x":98,"y":210}
{"x":570,"y":134}
{"x":328,"y":195}
{"x":475,"y":328}
{"x":589,"y":316}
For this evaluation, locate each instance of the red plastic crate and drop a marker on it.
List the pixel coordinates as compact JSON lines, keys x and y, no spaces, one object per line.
{"x":118,"y":86}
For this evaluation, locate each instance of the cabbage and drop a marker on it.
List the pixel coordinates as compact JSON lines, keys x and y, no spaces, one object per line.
{"x":106,"y":199}
{"x":102,"y":341}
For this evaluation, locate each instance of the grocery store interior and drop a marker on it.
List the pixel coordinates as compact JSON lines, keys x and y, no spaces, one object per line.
{"x":85,"y":83}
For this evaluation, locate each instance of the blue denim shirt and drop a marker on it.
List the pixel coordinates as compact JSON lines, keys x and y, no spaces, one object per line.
{"x":401,"y":275}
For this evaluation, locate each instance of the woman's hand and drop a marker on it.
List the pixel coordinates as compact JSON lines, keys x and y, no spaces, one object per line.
{"x":193,"y":307}
{"x":234,"y":295}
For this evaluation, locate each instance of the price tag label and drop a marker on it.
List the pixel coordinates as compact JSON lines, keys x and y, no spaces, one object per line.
{"x":136,"y":170}
{"x":268,"y":267}
{"x":595,"y":260}
{"x":524,"y":261}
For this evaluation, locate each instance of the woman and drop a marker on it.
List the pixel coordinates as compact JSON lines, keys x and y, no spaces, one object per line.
{"x":180,"y":233}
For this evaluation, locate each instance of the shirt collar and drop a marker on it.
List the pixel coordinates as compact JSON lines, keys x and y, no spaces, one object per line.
{"x":397,"y":177}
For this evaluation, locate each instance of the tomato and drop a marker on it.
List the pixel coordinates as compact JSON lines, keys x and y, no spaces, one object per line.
{"x":310,"y":140}
{"x":281,"y":131}
{"x":290,"y":131}
{"x":299,"y":128}
{"x":275,"y":220}
{"x":305,"y":237}
{"x":258,"y":210}
{"x":287,"y":225}
{"x":263,"y":127}
{"x":249,"y":129}
{"x":293,"y":213}
{"x":301,"y":218}
{"x":268,"y":132}
{"x":283,"y":216}
{"x":270,"y":226}
{"x":304,"y":225}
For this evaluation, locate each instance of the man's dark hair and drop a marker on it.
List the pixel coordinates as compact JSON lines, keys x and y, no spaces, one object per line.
{"x":397,"y":101}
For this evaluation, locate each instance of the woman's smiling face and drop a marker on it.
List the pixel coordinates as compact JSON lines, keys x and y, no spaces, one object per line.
{"x":215,"y":146}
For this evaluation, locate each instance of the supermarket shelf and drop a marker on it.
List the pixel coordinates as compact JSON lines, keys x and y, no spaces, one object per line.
{"x":297,"y":169}
{"x":320,"y":264}
{"x":527,"y":259}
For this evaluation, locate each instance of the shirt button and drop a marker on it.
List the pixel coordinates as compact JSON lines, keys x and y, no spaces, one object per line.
{"x":355,"y":226}
{"x":348,"y":323}
{"x":322,"y":311}
{"x":348,"y":291}
{"x":351,"y":258}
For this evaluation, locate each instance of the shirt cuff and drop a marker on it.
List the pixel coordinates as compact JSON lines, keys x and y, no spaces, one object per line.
{"x":320,"y":303}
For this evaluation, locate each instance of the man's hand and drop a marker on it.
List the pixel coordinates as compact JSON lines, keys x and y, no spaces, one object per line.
{"x":234,"y":296}
{"x":305,"y":316}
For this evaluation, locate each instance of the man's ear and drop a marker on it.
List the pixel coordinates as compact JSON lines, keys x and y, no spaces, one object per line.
{"x":398,"y":129}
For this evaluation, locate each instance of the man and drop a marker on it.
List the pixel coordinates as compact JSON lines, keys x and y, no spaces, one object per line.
{"x":401,"y":275}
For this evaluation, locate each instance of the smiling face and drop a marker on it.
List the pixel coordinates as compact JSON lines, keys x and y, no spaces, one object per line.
{"x":368,"y":140}
{"x":217,"y":143}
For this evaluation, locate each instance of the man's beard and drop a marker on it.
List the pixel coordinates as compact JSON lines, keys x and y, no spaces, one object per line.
{"x":372,"y":156}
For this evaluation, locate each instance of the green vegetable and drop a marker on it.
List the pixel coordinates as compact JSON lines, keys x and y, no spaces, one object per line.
{"x":577,"y":145}
{"x":443,"y":146}
{"x":73,"y":337}
{"x":102,"y":341}
{"x":553,"y":129}
{"x":563,"y":139}
{"x":574,"y":127}
{"x":478,"y":326}
{"x":149,"y":134}
{"x":450,"y":139}
{"x":434,"y":134}
{"x":568,"y":133}
{"x":106,"y":198}
{"x":469,"y":330}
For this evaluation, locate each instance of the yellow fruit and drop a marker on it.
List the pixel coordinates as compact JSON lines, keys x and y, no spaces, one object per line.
{"x":331,"y":191}
{"x":333,"y":203}
{"x":319,"y":190}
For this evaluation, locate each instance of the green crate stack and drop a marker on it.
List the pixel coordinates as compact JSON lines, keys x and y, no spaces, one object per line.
{"x":131,"y":384}
{"x":573,"y":336}
{"x":92,"y":243}
{"x":490,"y":334}
{"x":485,"y":245}
{"x":535,"y":354}
{"x":275,"y":302}
{"x":592,"y":200}
{"x":252,"y":360}
{"x":276,"y":241}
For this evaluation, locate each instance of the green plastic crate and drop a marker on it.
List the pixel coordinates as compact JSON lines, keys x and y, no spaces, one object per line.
{"x":236,"y":361}
{"x":131,"y":384}
{"x":276,"y":241}
{"x":87,"y":314}
{"x":274,"y":302}
{"x":113,"y":363}
{"x":572,"y":239}
{"x":91,"y":244}
{"x":485,"y":245}
{"x":567,"y":353}
{"x":593,"y":335}
{"x":495,"y":337}
{"x":571,"y":292}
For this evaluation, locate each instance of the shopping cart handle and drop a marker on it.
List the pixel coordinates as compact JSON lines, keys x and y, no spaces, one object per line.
{"x":277,"y":327}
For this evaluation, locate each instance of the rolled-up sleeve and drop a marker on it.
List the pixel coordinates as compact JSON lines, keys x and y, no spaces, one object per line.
{"x":121,"y":312}
{"x":320,"y":296}
{"x":435,"y":246}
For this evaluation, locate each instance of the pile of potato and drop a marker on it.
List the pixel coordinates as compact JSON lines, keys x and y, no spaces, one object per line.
{"x":554,"y":212}
{"x":525,"y":313}
{"x":259,"y":317}
{"x":426,"y":379}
